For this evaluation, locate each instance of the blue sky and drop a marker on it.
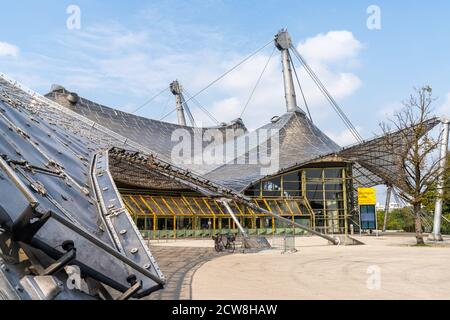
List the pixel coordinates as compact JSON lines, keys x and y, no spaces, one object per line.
{"x":126,"y":51}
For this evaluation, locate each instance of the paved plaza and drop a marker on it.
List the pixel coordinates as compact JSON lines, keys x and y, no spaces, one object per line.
{"x":386,"y":267}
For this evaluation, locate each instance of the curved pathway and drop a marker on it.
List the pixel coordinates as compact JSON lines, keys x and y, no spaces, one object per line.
{"x":178,"y":265}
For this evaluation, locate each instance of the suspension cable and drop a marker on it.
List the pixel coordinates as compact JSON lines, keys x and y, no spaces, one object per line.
{"x":150,"y":100}
{"x":300,"y":86}
{"x":229,"y":71}
{"x":191,"y":117}
{"x":201,"y":107}
{"x":257,"y":82}
{"x":192,"y":98}
{"x":168,"y":114}
{"x":328,"y":96}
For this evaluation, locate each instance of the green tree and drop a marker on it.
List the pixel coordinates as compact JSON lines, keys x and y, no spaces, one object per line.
{"x":399,"y":219}
{"x":417,"y":168}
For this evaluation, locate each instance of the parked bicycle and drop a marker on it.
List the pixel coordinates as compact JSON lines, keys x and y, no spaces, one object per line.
{"x":220,"y":245}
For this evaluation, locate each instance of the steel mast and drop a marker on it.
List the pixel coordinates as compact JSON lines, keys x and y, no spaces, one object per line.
{"x":283,"y":42}
{"x":176,"y":89}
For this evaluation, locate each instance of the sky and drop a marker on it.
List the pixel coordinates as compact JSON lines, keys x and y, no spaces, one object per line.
{"x":125,"y":52}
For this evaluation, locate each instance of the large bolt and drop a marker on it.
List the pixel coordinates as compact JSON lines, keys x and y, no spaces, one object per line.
{"x":131,"y":279}
{"x":68,"y":245}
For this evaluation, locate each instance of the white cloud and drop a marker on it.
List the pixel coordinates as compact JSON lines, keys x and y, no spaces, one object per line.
{"x":345,"y":137}
{"x":8,"y":50}
{"x":334,"y":46}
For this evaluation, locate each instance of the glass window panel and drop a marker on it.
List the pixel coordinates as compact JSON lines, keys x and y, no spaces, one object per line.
{"x":292,"y":205}
{"x":247,"y":210}
{"x":149,"y":223}
{"x":172,"y":203}
{"x":330,"y":195}
{"x":137,"y":204}
{"x":140,"y":223}
{"x":271,"y":193}
{"x":333,"y":173}
{"x":261,"y":222}
{"x":314,"y":187}
{"x":206,"y":223}
{"x":273,"y":206}
{"x":291,"y":186}
{"x":314,"y":195}
{"x":247,"y":223}
{"x":262,"y":205}
{"x":316,"y":205}
{"x":170,"y":224}
{"x":215,"y":209}
{"x":272,"y":185}
{"x":334,"y":205}
{"x":266,"y":222}
{"x":293,"y":176}
{"x":252,"y":193}
{"x":289,"y":193}
{"x":303,"y":221}
{"x":226,"y":223}
{"x":333,"y":186}
{"x":153,"y":205}
{"x":162,"y":224}
{"x":234,"y":206}
{"x":180,"y":206}
{"x":195,"y":205}
{"x":132,"y":206}
{"x":313,"y":173}
{"x":162,"y":205}
{"x":363,"y":209}
{"x":184,"y":223}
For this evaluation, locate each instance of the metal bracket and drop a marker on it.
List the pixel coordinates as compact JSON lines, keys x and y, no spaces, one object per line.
{"x":135,"y":287}
{"x":69,"y":256}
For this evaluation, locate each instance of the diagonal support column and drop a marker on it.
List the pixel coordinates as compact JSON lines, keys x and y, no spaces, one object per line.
{"x":226,"y":204}
{"x":436,"y":234}
{"x":386,"y":207}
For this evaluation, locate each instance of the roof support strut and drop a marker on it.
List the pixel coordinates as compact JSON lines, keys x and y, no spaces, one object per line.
{"x":226,"y":204}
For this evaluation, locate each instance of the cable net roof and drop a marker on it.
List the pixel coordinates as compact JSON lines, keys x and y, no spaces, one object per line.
{"x":298,"y":140}
{"x":152,"y":134}
{"x":379,"y":158}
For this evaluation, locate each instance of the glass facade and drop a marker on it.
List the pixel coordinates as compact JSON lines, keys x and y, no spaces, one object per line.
{"x":315,"y":197}
{"x":320,"y":190}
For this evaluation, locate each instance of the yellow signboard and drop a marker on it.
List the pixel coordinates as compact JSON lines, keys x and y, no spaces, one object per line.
{"x":367,"y":196}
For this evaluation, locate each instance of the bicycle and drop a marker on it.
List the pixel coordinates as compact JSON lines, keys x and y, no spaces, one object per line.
{"x":220,"y":246}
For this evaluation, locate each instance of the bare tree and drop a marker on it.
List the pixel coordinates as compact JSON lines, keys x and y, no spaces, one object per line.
{"x":415,"y":155}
